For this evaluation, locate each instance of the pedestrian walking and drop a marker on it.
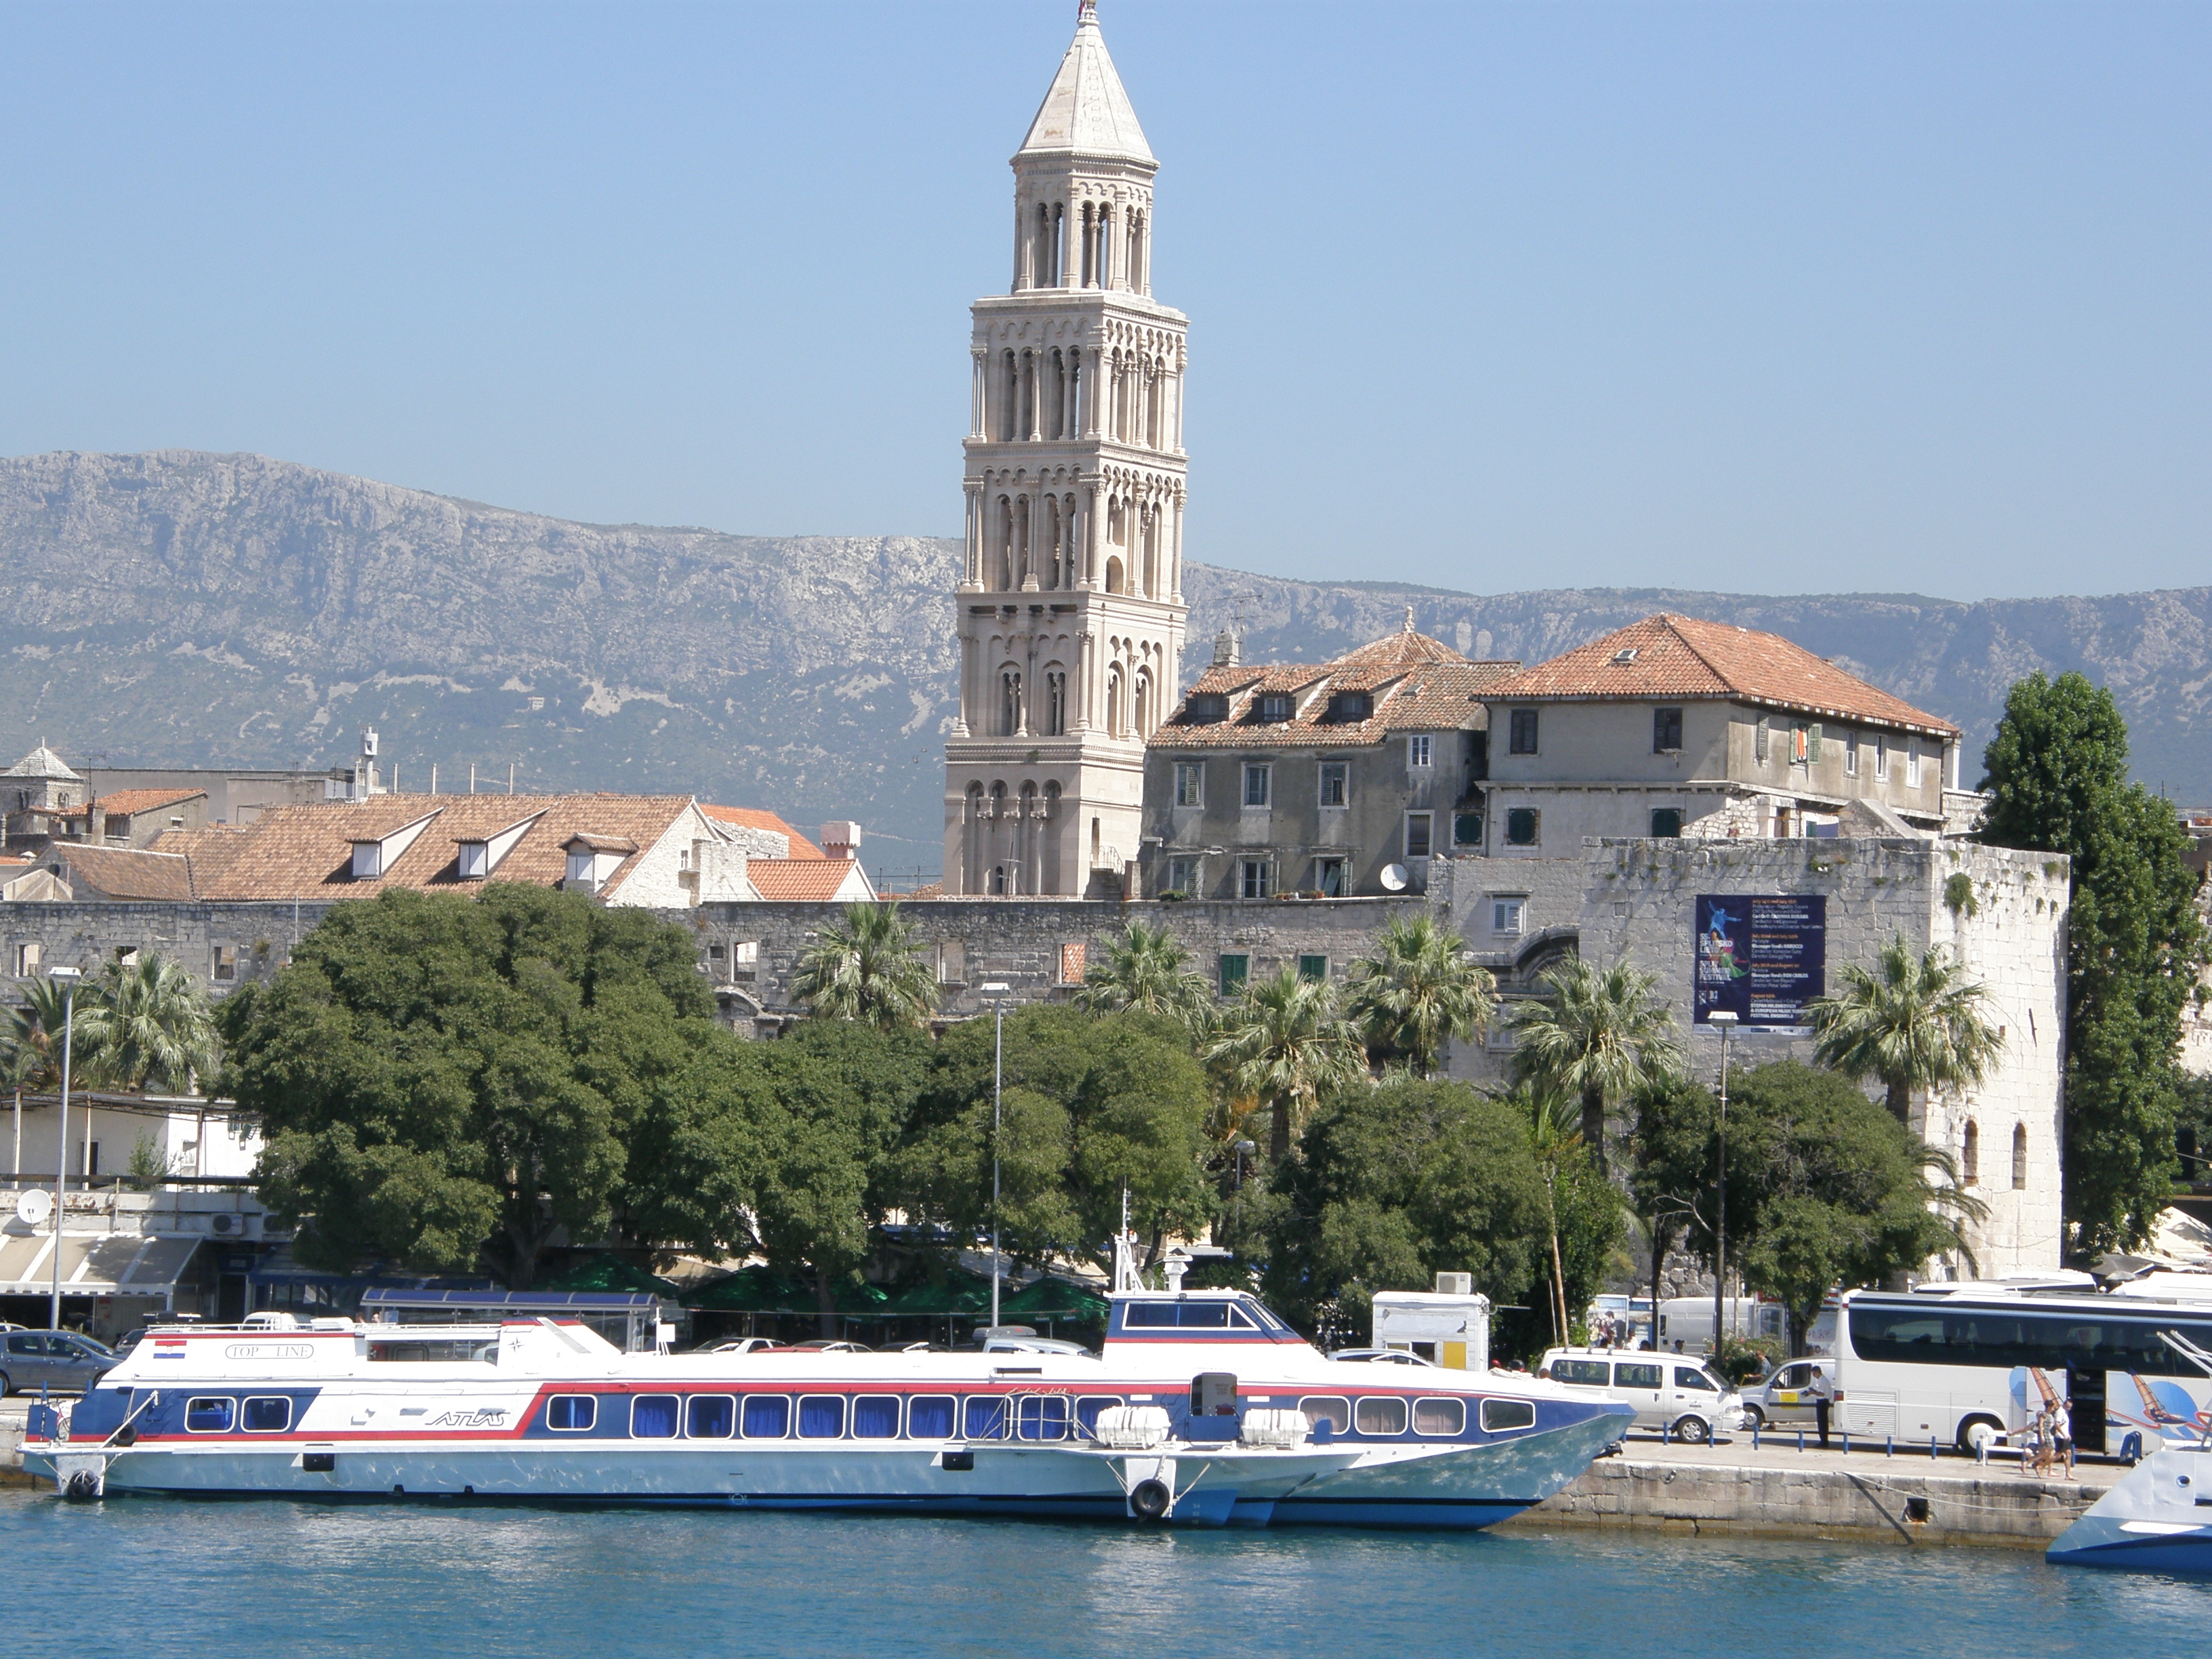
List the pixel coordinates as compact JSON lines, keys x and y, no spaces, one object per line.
{"x":1824,"y":1398}
{"x":2062,"y":1434}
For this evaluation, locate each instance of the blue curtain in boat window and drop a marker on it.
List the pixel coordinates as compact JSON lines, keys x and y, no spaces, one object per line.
{"x":929,"y":1417}
{"x":875,"y":1417}
{"x":710,"y":1417}
{"x":768,"y":1416}
{"x":653,"y":1417}
{"x":986,"y":1418}
{"x":208,"y":1416}
{"x":571,"y":1411}
{"x":821,"y":1416}
{"x":1041,"y":1417}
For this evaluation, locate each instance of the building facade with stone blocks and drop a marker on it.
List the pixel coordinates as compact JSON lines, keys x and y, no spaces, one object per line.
{"x":1675,"y":726}
{"x":1070,"y":600}
{"x":1339,"y":780}
{"x":2003,"y":913}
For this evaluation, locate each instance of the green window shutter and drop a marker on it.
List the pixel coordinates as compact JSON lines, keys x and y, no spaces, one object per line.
{"x":1813,"y":741}
{"x":1235,"y":971}
{"x":1313,"y":967}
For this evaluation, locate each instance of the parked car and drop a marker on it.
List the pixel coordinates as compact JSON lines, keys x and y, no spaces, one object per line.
{"x":1784,"y":1396}
{"x":61,"y":1361}
{"x":1670,"y":1391}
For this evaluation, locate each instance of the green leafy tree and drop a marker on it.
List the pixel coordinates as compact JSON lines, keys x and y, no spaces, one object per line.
{"x":1824,"y":1186}
{"x":1598,"y":1036}
{"x":2056,"y":774}
{"x":1147,"y":970}
{"x":442,"y":1078}
{"x":1283,"y":1041}
{"x":1583,"y":1209}
{"x":1912,"y":1022}
{"x":1397,"y":1183}
{"x":149,"y":1026}
{"x":1094,"y":1108}
{"x":865,"y":968}
{"x":1419,"y":988}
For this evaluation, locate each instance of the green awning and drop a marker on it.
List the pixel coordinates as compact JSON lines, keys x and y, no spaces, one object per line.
{"x":603,"y":1272}
{"x":1054,"y":1298}
{"x":764,"y":1290}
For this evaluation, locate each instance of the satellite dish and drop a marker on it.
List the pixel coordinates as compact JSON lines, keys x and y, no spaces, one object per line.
{"x":34,"y":1206}
{"x":1394,"y":878}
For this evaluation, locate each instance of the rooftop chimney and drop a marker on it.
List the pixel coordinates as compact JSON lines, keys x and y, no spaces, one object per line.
{"x":842,"y":840}
{"x":1224,"y":649}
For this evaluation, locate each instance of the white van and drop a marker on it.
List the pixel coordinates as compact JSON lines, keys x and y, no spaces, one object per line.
{"x":1671,"y":1391}
{"x":1787,"y":1396}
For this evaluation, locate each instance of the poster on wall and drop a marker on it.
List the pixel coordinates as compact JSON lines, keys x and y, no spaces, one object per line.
{"x":1762,"y":958}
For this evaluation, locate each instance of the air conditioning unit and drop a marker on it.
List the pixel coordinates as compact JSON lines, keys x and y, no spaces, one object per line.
{"x":1454,"y":1284}
{"x":223,"y":1224}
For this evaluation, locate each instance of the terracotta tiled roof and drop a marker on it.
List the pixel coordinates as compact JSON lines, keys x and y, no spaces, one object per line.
{"x":1418,"y":684}
{"x":753,"y":818}
{"x":209,"y":851}
{"x":126,"y":873}
{"x":801,"y":880}
{"x":306,"y":852}
{"x":1666,"y":656}
{"x":128,"y":803}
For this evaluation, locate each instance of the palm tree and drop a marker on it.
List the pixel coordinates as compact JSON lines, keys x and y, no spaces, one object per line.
{"x":1553,"y":1131}
{"x":1420,"y":987}
{"x":148,"y":1026}
{"x":1148,"y":969}
{"x":1597,"y":1037}
{"x":1915,"y":1024}
{"x":866,"y":969}
{"x":1284,"y":1042}
{"x":31,"y":1047}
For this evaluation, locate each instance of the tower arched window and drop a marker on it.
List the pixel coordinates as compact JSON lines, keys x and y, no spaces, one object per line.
{"x":1005,"y":549}
{"x":1144,"y":721}
{"x":1115,"y":725}
{"x":1052,"y":537}
{"x":1970,"y":1155}
{"x":1009,"y":703}
{"x":1009,"y":396}
{"x":2019,"y":1157}
{"x":1056,"y":703}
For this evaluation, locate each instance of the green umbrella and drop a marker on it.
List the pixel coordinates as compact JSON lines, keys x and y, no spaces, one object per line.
{"x":1054,"y":1298}
{"x":604,"y":1272}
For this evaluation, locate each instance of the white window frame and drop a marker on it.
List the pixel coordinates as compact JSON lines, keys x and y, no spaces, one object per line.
{"x":1194,"y":865}
{"x":1265,"y":771}
{"x":1420,"y":751}
{"x":1192,"y":772}
{"x":1344,"y":877}
{"x":1851,"y":754}
{"x":1264,"y":869}
{"x":1911,"y":764}
{"x":1880,"y":758}
{"x":1508,"y":913}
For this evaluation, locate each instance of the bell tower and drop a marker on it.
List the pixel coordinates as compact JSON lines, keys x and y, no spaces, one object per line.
{"x":1070,"y":603}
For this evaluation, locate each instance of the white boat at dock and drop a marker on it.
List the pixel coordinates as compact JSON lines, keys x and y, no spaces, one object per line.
{"x":1201,"y":1407}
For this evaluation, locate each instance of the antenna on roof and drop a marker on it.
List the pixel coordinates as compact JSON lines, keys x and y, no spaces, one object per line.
{"x":1409,"y":620}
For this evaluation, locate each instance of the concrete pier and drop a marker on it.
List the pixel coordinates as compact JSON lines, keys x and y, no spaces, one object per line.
{"x":1777,"y":1491}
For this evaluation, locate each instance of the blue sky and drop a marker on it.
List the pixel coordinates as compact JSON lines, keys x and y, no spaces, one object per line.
{"x":1764,"y":298}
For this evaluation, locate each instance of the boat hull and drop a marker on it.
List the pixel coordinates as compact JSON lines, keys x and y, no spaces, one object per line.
{"x":2157,"y":1519}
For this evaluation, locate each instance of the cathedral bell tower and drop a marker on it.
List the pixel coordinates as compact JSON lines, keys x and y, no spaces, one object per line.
{"x":1070,"y":603}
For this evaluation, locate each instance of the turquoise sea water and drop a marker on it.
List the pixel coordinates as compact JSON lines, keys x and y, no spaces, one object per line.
{"x":241,"y":1579}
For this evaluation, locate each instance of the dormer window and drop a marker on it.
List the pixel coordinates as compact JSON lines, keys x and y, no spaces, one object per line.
{"x":373,"y":856}
{"x":472,"y":863}
{"x":475,"y":857}
{"x":593,"y":860}
{"x":1349,"y":707}
{"x":1207,"y":708}
{"x":1275,"y":708}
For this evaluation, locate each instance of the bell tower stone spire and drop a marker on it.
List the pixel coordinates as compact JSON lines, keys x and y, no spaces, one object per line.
{"x":1070,"y":603}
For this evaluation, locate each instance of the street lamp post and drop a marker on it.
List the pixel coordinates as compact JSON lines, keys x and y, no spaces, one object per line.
{"x":997,"y":992}
{"x":68,"y":977}
{"x":1725,"y":1019}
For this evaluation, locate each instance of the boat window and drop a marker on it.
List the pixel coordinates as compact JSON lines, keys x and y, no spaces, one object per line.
{"x":929,"y":1417}
{"x":1440,"y":1416}
{"x":1332,"y":1409}
{"x":653,"y":1417}
{"x":1691,"y":1376}
{"x":572,"y":1414}
{"x":1203,"y":1316}
{"x":1149,"y":1316}
{"x":207,"y":1416}
{"x":1041,"y":1417}
{"x":875,"y":1417}
{"x":821,"y":1416}
{"x":1088,"y":1408}
{"x":767,"y":1416}
{"x":1241,"y":1321}
{"x":1500,"y":1415}
{"x":266,"y":1414}
{"x":986,"y":1417}
{"x":710,"y":1416}
{"x":1382,"y":1414}
{"x":1639,"y":1376}
{"x":1591,"y":1373}
{"x":443,"y":1352}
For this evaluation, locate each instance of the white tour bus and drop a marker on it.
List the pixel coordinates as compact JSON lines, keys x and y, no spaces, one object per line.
{"x":1950,"y":1361}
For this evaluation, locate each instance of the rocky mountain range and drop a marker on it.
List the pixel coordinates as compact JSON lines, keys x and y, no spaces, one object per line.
{"x":184,"y":608}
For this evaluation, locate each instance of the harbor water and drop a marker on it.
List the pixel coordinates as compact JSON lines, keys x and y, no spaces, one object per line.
{"x":234,"y":1578}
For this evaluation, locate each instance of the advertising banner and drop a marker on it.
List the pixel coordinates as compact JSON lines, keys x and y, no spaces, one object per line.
{"x":1761,"y":958}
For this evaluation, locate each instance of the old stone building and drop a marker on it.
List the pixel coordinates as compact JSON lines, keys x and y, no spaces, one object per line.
{"x":1675,"y":726}
{"x":1336,"y":780}
{"x":1069,"y":602}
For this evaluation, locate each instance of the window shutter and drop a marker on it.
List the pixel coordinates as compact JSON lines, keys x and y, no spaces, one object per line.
{"x":1813,"y":741}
